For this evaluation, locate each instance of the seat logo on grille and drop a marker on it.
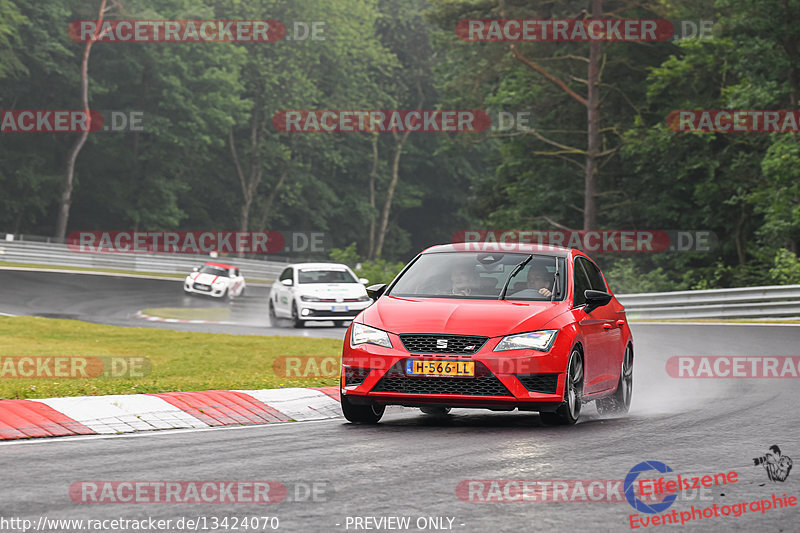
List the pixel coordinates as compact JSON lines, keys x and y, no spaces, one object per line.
{"x":441,"y":343}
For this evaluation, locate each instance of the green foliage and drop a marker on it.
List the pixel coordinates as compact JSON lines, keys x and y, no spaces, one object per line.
{"x":624,"y":277}
{"x":786,"y":269}
{"x":178,"y":173}
{"x":375,"y":270}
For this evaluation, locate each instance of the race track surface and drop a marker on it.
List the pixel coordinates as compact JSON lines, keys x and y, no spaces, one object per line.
{"x":115,"y":300}
{"x":411,"y":465}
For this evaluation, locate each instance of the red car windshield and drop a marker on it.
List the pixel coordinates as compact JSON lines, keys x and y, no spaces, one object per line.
{"x":481,"y":276}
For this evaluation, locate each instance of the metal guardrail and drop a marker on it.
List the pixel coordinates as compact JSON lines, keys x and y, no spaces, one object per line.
{"x":180,"y":264}
{"x":748,"y":302}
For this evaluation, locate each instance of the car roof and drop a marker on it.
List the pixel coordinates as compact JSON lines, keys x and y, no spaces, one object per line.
{"x":319,"y":265}
{"x":494,"y":247}
{"x":221,"y":265}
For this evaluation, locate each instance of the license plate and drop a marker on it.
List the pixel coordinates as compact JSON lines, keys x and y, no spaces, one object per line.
{"x":202,"y":287}
{"x":417,"y":367}
{"x":338,"y":308}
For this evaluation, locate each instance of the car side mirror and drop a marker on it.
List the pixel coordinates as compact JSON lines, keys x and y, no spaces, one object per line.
{"x":287,"y":282}
{"x":595,"y":299}
{"x":375,"y":291}
{"x":195,"y":269}
{"x":363,"y":281}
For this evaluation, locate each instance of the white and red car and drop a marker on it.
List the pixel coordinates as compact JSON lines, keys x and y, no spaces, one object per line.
{"x":215,"y":279}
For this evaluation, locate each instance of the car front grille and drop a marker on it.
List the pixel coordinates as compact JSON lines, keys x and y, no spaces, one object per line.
{"x":444,"y":344}
{"x":546,"y":383}
{"x":483,"y":384}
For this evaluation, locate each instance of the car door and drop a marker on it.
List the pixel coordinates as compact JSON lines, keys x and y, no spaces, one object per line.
{"x":283,"y":300}
{"x":613,"y":320}
{"x":592,"y":331}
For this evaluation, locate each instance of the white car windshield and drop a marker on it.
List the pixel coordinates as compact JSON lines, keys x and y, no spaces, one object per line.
{"x":325,"y":276}
{"x":482,"y":276}
{"x":214,"y":271}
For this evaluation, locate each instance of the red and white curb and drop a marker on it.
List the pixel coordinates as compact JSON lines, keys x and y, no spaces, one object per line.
{"x":141,"y":315}
{"x":127,"y":413}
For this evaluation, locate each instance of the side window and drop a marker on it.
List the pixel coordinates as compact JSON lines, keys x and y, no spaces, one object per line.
{"x":581,"y":282}
{"x":286,"y":274}
{"x":236,"y":272}
{"x":595,"y":277}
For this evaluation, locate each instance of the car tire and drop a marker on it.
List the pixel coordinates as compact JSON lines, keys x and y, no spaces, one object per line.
{"x":296,"y":320}
{"x":362,"y":414}
{"x":435,"y":410}
{"x":620,"y":402}
{"x":241,"y":293}
{"x":273,"y":317}
{"x":569,"y":411}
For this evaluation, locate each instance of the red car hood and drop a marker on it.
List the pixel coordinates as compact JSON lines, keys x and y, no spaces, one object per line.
{"x":490,"y":318}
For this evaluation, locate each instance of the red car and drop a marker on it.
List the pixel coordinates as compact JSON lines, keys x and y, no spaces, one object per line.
{"x":534,"y":328}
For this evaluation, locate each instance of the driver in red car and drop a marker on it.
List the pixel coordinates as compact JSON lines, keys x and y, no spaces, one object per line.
{"x":540,"y":283}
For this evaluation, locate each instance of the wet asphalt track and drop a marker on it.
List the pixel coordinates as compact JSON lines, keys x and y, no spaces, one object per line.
{"x":410,"y":465}
{"x":116,"y":299}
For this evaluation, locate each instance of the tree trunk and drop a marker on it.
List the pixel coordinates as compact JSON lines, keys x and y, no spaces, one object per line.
{"x":593,"y":128}
{"x":372,"y":175}
{"x":72,"y":156}
{"x":400,"y":140}
{"x":250,"y":182}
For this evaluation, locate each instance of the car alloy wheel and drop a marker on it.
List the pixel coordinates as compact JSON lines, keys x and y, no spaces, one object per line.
{"x":569,"y":411}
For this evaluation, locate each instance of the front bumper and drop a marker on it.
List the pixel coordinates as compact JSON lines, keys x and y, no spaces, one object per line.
{"x":330,"y":311}
{"x":521,"y":379}
{"x":198,"y":288}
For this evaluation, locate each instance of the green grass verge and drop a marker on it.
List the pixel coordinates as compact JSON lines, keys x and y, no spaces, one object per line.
{"x":113,"y":271}
{"x":214,"y":314}
{"x":181,"y":361}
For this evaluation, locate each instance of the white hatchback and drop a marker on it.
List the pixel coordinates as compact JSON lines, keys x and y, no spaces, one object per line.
{"x":215,"y":279}
{"x":317,"y":291}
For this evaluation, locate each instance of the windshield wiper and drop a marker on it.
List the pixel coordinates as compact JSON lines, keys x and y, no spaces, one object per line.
{"x":556,"y":286}
{"x":514,"y":273}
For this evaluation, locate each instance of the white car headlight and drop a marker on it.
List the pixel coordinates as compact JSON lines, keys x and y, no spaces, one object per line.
{"x":308,"y":298}
{"x":219,"y":282}
{"x":535,"y":340}
{"x":365,"y":334}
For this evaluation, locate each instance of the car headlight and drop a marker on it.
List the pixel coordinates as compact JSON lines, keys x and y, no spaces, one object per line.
{"x":363,"y":298}
{"x":365,"y":334}
{"x":535,"y":340}
{"x":219,"y":282}
{"x":305,"y":298}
